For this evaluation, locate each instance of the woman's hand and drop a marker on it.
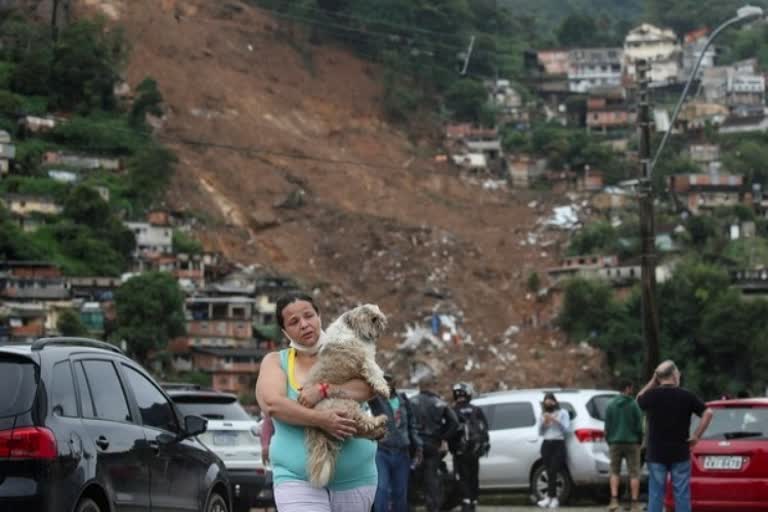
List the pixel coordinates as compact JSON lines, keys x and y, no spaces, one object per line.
{"x":310,"y":396}
{"x":337,"y":424}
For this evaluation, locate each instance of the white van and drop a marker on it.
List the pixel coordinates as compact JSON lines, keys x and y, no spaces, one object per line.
{"x":514,"y":461}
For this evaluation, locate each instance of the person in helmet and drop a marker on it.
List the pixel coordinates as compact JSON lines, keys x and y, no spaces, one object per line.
{"x":470,"y":443}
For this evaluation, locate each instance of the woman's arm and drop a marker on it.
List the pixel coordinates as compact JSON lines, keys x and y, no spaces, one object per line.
{"x":273,"y":399}
{"x":356,"y":389}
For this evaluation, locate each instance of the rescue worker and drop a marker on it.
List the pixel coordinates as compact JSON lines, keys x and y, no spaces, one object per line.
{"x":470,"y":443}
{"x":437,"y":424}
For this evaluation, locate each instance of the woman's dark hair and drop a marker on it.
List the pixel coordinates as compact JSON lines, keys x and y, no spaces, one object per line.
{"x":288,"y":299}
{"x":551,"y":396}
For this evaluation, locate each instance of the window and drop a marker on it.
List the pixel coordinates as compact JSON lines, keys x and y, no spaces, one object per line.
{"x":63,"y":398}
{"x":108,"y":396}
{"x":511,"y":415}
{"x":155,"y":410}
{"x":86,"y":402}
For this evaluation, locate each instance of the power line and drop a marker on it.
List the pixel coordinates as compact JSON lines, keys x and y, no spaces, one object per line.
{"x":391,"y":37}
{"x":364,"y":20}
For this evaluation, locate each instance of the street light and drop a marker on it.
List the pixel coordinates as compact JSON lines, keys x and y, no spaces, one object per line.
{"x":747,"y":12}
{"x":647,"y":223}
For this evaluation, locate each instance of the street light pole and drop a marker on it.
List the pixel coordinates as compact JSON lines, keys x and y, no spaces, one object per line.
{"x":650,"y":310}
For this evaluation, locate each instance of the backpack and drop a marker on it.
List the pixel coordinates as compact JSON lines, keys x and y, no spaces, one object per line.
{"x":473,"y":432}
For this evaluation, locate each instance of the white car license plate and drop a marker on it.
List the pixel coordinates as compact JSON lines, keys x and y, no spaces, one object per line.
{"x":723,"y":462}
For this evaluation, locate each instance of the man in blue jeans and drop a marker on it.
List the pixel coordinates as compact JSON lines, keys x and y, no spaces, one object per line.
{"x":668,"y":408}
{"x":393,"y":457}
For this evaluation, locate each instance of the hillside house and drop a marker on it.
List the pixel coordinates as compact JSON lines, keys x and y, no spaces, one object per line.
{"x":706,"y":191}
{"x":591,"y":68}
{"x":92,"y":317}
{"x":24,"y":321}
{"x":219,"y":321}
{"x":606,"y":268}
{"x":706,"y":156}
{"x":232,"y":370}
{"x":151,"y":240}
{"x":657,"y":46}
{"x":81,"y":161}
{"x":491,"y":149}
{"x":7,"y":152}
{"x":693,"y":44}
{"x":612,"y":199}
{"x":753,"y":283}
{"x":469,"y":131}
{"x":553,"y":62}
{"x":580,"y":266}
{"x":23,"y":281}
{"x":37,"y":124}
{"x":608,"y":112}
{"x":507,"y":100}
{"x":745,"y":124}
{"x":590,"y":181}
{"x":696,"y":115}
{"x":93,"y":289}
{"x":475,"y":162}
{"x":26,"y":205}
{"x":525,"y":170}
{"x":740,"y":87}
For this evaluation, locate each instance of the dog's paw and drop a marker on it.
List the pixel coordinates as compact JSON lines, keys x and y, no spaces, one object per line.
{"x":381,"y":389}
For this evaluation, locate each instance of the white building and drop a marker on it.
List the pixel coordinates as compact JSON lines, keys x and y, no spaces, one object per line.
{"x":740,"y":87}
{"x":7,"y":152}
{"x":692,"y":47}
{"x":590,"y":68}
{"x":657,"y":46}
{"x":151,"y":239}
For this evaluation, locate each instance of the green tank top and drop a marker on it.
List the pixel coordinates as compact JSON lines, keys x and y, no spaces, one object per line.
{"x":355,"y":464}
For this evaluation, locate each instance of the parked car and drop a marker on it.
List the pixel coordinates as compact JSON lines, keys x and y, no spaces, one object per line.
{"x":729,"y":465}
{"x":514,"y":461}
{"x":234,"y":436}
{"x":84,"y":428}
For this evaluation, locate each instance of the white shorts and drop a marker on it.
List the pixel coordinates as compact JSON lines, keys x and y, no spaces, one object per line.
{"x":302,"y":497}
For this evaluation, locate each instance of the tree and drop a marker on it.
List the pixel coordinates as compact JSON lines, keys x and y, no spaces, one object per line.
{"x":534,"y":282}
{"x":83,"y":68}
{"x":466,"y":98}
{"x":150,"y":313}
{"x":69,"y":324}
{"x":148,"y":101}
{"x":578,"y":30}
{"x":85,"y":206}
{"x":748,"y":158}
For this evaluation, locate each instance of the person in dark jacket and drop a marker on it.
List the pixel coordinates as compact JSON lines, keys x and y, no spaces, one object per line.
{"x":471,"y":443}
{"x":437,"y":424}
{"x":393,"y":458}
{"x":624,"y":434}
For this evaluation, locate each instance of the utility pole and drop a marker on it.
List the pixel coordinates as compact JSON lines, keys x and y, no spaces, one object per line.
{"x":650,"y":309}
{"x":469,"y":55}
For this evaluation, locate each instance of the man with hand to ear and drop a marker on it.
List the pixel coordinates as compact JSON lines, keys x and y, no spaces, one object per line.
{"x":668,"y":408}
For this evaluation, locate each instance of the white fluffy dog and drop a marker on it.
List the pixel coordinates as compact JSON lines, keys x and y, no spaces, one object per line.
{"x":348,"y":353}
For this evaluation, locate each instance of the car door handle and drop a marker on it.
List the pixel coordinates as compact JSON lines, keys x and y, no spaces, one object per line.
{"x":102,"y":442}
{"x":536,"y":440}
{"x":155,"y":446}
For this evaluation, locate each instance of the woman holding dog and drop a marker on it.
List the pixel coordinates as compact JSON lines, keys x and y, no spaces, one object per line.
{"x":280,"y":394}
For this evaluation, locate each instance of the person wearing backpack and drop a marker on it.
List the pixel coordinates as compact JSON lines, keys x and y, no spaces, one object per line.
{"x":470,"y":443}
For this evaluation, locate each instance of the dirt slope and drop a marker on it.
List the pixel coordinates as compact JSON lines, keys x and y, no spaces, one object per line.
{"x":405,"y":233}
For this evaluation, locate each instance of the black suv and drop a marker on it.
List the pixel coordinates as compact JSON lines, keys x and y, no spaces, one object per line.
{"x":235,"y":437}
{"x":83,"y":428}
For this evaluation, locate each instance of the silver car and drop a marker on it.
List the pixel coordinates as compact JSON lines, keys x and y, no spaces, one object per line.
{"x":514,"y":461}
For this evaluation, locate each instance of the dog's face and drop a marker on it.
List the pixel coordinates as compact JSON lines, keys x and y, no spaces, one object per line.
{"x":367,"y":322}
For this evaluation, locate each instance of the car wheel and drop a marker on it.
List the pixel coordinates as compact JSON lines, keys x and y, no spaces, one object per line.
{"x":88,"y":505}
{"x":539,"y":484}
{"x":216,"y":504}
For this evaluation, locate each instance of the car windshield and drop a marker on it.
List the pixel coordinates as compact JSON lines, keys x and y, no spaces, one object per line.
{"x":212,"y":408}
{"x":230,"y":439}
{"x":18,"y":380}
{"x":737,"y":423}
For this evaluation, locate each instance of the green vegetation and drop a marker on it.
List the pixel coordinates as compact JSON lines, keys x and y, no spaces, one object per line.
{"x":715,"y":336}
{"x":69,"y":324}
{"x":150,"y":313}
{"x":184,"y":243}
{"x":77,"y":74}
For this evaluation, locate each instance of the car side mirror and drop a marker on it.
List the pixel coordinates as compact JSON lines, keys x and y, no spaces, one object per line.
{"x":194,"y":425}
